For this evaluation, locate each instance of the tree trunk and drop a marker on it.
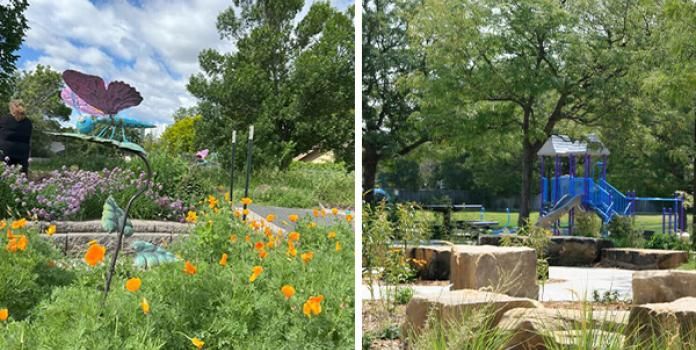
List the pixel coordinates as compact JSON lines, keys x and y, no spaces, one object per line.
{"x":370,"y":161}
{"x":693,"y":189}
{"x":527,"y":171}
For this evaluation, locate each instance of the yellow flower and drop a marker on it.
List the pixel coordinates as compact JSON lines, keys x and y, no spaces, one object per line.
{"x":246,"y":201}
{"x":331,"y":235}
{"x":334,"y":211}
{"x":19,"y":224}
{"x":255,"y":273}
{"x":4,"y":314}
{"x":338,"y":246}
{"x":233,"y":238}
{"x":307,"y":257}
{"x":294,"y":236}
{"x":190,"y":268}
{"x":133,"y":284}
{"x":237,"y":213}
{"x":212,"y":202}
{"x":293,"y":217}
{"x":291,"y":249}
{"x":312,"y":306}
{"x":349,"y":218}
{"x":288,"y":291}
{"x":270,"y":218}
{"x":247,"y":238}
{"x":223,"y":260}
{"x":227,"y":197}
{"x":197,"y":343}
{"x":191,"y":217}
{"x":3,"y":224}
{"x":145,"y":306}
{"x":312,"y":224}
{"x":51,"y":230}
{"x":95,"y":254}
{"x":245,"y":212}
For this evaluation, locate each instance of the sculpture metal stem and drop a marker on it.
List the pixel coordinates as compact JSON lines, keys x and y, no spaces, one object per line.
{"x":122,"y":224}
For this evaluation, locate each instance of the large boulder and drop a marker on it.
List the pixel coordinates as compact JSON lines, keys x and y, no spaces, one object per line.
{"x":575,"y":251}
{"x":656,"y":324}
{"x":453,"y":306}
{"x":435,"y":259}
{"x":507,"y":270}
{"x":533,"y":328}
{"x":643,"y":259}
{"x":663,"y":286}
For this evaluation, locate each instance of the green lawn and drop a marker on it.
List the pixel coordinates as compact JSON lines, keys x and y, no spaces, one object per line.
{"x":643,"y":222}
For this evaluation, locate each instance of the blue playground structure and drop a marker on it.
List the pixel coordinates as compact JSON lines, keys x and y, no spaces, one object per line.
{"x":564,"y":194}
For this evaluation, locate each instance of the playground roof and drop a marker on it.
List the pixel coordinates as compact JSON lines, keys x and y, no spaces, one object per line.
{"x":562,"y":145}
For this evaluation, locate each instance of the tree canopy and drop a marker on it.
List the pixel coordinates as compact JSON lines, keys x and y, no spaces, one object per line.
{"x":293,"y":80}
{"x":13,"y":26}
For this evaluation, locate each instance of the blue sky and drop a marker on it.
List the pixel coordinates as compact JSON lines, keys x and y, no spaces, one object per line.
{"x":150,"y":44}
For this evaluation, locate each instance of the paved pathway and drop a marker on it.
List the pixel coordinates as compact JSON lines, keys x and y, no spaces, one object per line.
{"x":575,"y":284}
{"x":282,"y":214}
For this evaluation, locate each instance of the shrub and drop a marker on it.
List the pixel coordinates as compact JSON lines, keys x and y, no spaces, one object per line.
{"x":623,"y":233}
{"x":666,"y":242}
{"x":587,"y":224}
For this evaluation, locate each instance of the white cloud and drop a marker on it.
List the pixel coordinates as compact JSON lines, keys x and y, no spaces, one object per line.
{"x":153,"y":47}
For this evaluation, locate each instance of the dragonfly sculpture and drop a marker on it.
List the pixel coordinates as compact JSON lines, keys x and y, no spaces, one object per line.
{"x":98,"y":105}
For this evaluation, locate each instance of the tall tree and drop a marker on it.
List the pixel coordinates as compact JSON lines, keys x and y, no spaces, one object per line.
{"x":292,"y":80}
{"x":13,"y":26}
{"x":392,"y":125}
{"x":542,"y":61}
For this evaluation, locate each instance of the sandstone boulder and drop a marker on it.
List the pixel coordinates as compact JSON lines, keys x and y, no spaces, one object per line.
{"x":675,"y":322}
{"x":575,"y":251}
{"x":506,"y":270}
{"x":643,"y":259}
{"x":663,"y":286}
{"x":532,"y":328}
{"x":453,"y":306}
{"x":437,"y":261}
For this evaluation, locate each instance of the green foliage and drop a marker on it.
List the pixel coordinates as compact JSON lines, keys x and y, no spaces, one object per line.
{"x":217,"y":304}
{"x":667,"y":242}
{"x":293,"y":80}
{"x":29,"y":276}
{"x":587,"y":224}
{"x":624,"y":234}
{"x":40,"y":91}
{"x":13,"y":25}
{"x":180,"y":137}
{"x":534,"y":237}
{"x":403,"y":295}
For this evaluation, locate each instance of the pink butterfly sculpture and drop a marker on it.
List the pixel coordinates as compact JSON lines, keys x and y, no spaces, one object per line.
{"x":202,"y":154}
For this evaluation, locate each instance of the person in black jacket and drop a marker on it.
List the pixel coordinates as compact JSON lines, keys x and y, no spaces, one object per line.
{"x":15,"y":136}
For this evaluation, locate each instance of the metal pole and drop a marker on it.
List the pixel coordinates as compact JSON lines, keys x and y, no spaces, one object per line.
{"x":542,"y":187}
{"x":664,"y":213}
{"x":250,"y":145}
{"x":234,"y":152}
{"x":507,"y":223}
{"x":669,"y":220}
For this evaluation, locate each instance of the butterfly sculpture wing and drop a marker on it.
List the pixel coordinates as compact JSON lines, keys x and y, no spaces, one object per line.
{"x":92,"y":89}
{"x":73,"y":101}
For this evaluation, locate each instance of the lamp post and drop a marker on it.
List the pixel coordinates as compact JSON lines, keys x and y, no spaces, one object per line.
{"x":250,"y":145}
{"x":234,"y":152}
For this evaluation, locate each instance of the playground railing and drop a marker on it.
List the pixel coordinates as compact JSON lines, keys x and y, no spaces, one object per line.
{"x":622,"y":203}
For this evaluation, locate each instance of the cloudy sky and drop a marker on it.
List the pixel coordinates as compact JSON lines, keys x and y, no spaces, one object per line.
{"x":150,"y":44}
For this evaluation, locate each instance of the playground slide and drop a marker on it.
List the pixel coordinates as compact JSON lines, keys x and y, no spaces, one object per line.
{"x":562,"y":207}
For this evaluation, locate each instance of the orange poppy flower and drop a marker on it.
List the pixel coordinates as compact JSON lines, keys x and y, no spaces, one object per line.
{"x":293,"y":217}
{"x":255,"y":273}
{"x":191,"y":217}
{"x":51,"y":230}
{"x":4,"y":314}
{"x":233,"y":238}
{"x":331,"y":235}
{"x":3,"y":224}
{"x":334,"y":211}
{"x":95,"y":254}
{"x":237,"y":213}
{"x":247,"y":238}
{"x":245,"y":212}
{"x":19,"y":224}
{"x":338,"y":246}
{"x":288,"y":291}
{"x":133,"y":284}
{"x":263,"y":253}
{"x":294,"y":236}
{"x":246,"y":201}
{"x":315,"y":212}
{"x":223,"y":260}
{"x":259,"y":245}
{"x":197,"y":343}
{"x":212,"y":202}
{"x":270,"y":218}
{"x":307,"y":257}
{"x":312,"y":306}
{"x":189,"y":268}
{"x":349,"y":218}
{"x":145,"y":306}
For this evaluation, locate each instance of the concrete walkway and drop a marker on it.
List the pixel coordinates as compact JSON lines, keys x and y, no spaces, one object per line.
{"x":573,"y":284}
